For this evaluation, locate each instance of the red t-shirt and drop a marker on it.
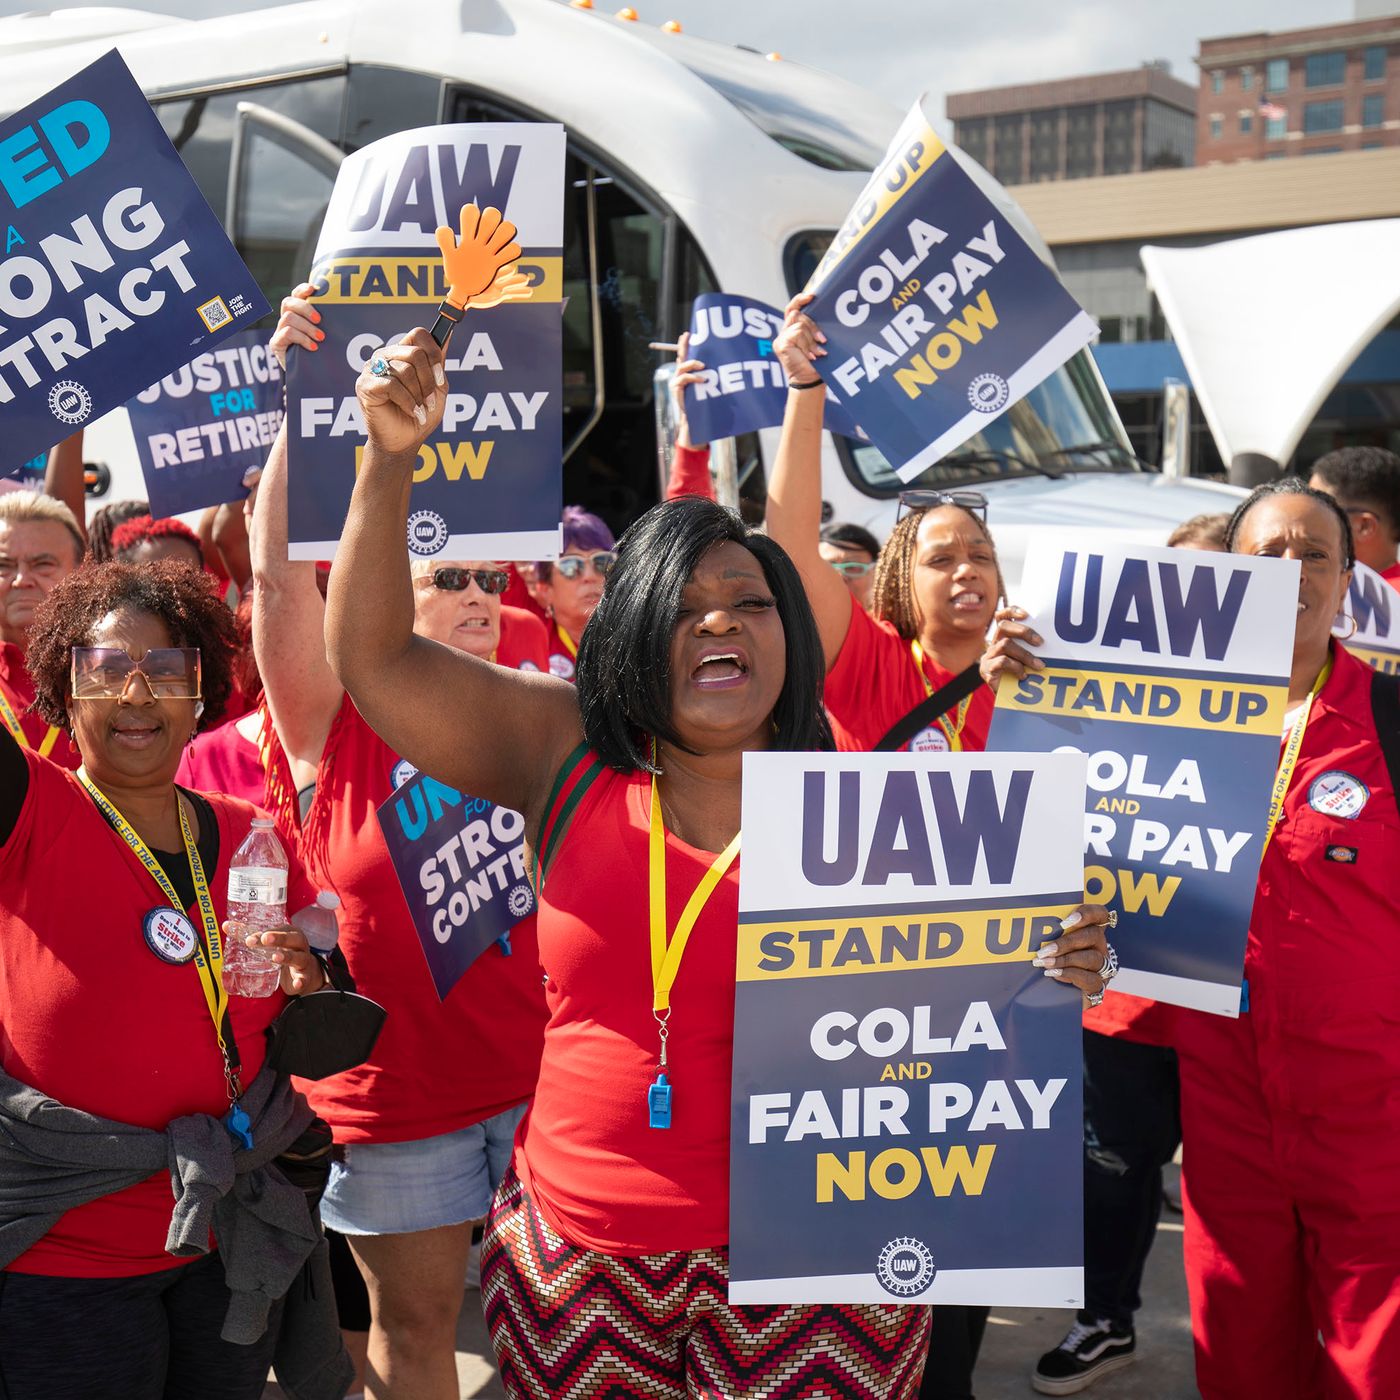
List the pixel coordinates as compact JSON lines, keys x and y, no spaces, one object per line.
{"x":524,"y":644}
{"x":18,"y":688}
{"x":92,"y":1017}
{"x":518,"y":596}
{"x":438,"y":1065}
{"x":1392,"y":575}
{"x":874,"y":682}
{"x":598,"y":1173}
{"x":224,"y":761}
{"x":690,"y":474}
{"x":563,"y":652}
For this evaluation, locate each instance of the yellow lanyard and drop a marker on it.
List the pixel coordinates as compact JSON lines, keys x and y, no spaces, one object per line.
{"x":953,"y":731}
{"x":569,"y":644}
{"x":7,"y":713}
{"x":209,"y":954}
{"x":1289,"y":761}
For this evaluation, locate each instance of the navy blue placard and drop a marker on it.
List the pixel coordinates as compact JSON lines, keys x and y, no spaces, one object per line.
{"x":744,"y":387}
{"x":200,"y":428}
{"x":461,"y":864}
{"x":114,"y":268}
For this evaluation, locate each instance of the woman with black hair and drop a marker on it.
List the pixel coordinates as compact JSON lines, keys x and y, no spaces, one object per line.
{"x":1291,"y":1114}
{"x":124,"y":1070}
{"x":605,"y":1257}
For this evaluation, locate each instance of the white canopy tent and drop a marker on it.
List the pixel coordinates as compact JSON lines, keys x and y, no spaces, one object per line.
{"x":1267,"y":325}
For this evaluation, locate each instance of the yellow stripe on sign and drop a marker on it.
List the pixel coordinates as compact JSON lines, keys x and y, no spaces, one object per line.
{"x":844,"y":943}
{"x":1386,"y":662}
{"x":869,"y":212}
{"x":420,"y":281}
{"x":1225,"y":705}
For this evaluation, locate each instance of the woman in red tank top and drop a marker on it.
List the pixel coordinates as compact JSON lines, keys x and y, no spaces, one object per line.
{"x":605,"y":1252}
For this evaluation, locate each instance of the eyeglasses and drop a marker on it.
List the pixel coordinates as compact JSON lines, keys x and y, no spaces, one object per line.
{"x":854,"y":569}
{"x":973,"y":501}
{"x":456,"y":580}
{"x":103,"y":673}
{"x":571,"y":565}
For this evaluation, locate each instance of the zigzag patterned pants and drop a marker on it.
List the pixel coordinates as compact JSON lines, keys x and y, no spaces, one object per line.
{"x":574,"y":1324}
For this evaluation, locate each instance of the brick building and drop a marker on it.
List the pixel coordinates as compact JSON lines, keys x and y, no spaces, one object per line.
{"x":1301,"y":92}
{"x":1102,"y":124}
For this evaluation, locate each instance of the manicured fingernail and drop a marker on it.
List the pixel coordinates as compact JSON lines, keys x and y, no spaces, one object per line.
{"x":320,"y":335}
{"x":1035,"y":640}
{"x":1049,"y":950}
{"x":439,"y":375}
{"x":822,"y":337}
{"x":420,"y":413}
{"x":1070,"y":921}
{"x":1052,"y":972}
{"x":315,"y":315}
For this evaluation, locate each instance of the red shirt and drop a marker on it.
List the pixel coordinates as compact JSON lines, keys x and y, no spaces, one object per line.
{"x":690,"y":473}
{"x":597,"y":1172}
{"x":563,"y":652}
{"x":438,"y":1065}
{"x":874,"y":682}
{"x":524,"y":644}
{"x":92,"y":1017}
{"x":1392,"y":575}
{"x":518,"y":596}
{"x":222,"y":760}
{"x":18,"y":688}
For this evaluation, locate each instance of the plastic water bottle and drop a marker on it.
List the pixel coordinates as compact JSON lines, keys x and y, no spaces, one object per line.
{"x":257,"y":900}
{"x":317,"y":921}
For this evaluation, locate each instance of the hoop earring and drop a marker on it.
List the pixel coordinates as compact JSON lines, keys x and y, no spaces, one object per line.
{"x":1347,"y":636}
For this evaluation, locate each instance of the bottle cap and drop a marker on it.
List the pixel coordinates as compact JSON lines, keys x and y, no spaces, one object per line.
{"x":263,"y":822}
{"x":327,"y":900}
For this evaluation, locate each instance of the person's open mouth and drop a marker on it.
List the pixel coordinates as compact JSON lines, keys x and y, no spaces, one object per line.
{"x":720,"y":670}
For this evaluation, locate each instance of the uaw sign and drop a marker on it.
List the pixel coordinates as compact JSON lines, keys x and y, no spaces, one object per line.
{"x":905,"y":1080}
{"x":114,"y":269}
{"x":938,"y":315}
{"x":1371,"y":624}
{"x":1168,"y":669}
{"x":489,"y":482}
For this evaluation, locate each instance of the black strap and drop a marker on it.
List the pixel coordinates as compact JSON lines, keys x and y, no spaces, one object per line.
{"x":931,"y":708}
{"x":1385,"y":710}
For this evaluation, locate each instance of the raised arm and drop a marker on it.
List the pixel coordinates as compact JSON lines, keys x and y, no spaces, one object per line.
{"x":492,"y":732}
{"x":65,"y":477}
{"x":794,"y":512}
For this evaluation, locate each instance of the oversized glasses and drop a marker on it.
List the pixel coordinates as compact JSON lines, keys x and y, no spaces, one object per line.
{"x":571,"y":565}
{"x":452,"y":580}
{"x":853,"y":569}
{"x":103,"y":673}
{"x":973,"y":501}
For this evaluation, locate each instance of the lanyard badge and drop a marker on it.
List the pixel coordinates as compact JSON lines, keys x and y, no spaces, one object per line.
{"x":952,"y":732}
{"x":208,"y":950}
{"x":1288,"y":761}
{"x":666,"y":954}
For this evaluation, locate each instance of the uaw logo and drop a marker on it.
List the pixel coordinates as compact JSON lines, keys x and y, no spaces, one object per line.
{"x":427,"y":532}
{"x":520,"y":901}
{"x":69,"y":402}
{"x":905,"y":1267}
{"x":988,"y":393}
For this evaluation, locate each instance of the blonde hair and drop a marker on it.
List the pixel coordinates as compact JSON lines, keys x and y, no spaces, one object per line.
{"x":32,"y":507}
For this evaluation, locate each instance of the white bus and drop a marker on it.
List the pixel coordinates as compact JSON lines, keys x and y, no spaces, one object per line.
{"x":692,"y":166}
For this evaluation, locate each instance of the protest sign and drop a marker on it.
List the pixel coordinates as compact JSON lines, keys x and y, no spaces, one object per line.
{"x":461,"y":865}
{"x":30,"y":473}
{"x":489,"y":484}
{"x":115,"y":270}
{"x":938,"y":315}
{"x":1169,"y":668}
{"x":199,"y":429}
{"x":1375,"y":608}
{"x":906,"y":1083}
{"x":744,"y":388}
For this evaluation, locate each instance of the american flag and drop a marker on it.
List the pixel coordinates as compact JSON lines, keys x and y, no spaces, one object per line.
{"x":1271,"y":110}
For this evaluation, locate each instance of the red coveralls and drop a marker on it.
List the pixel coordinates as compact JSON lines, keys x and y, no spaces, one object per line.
{"x":1291,"y":1115}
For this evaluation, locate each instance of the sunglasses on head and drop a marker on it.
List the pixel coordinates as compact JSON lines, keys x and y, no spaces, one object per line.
{"x":452,"y":580}
{"x":572,"y":565}
{"x":103,"y":673}
{"x":973,"y":501}
{"x":853,"y":569}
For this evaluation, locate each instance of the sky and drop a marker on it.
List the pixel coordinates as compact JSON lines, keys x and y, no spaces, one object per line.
{"x":900,"y":48}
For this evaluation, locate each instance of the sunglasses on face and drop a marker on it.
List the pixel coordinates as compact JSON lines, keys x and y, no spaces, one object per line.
{"x":452,"y":580}
{"x":973,"y":501}
{"x":572,"y":565}
{"x":853,"y":569}
{"x":103,"y":673}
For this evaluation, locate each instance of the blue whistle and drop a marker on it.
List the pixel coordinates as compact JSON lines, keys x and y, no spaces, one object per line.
{"x":504,"y":941}
{"x":659,"y":1103}
{"x":240,"y":1126}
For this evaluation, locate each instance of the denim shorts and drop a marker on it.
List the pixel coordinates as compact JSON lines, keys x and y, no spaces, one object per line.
{"x":397,"y":1188}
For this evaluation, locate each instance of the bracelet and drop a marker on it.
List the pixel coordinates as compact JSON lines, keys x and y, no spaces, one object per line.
{"x":810,"y":384}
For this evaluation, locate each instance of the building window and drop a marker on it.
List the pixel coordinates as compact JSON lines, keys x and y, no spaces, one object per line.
{"x":1324,"y":70}
{"x":972,"y":137}
{"x":1216,"y":128}
{"x":1324,"y":151}
{"x":1045,"y":145}
{"x":1373,"y":60}
{"x":1246,"y":123}
{"x":1321,"y":117}
{"x":1372,"y":109}
{"x":1081,"y":127}
{"x":1276,"y":75}
{"x":1217,"y":82}
{"x":1006,"y":157}
{"x":1120,"y":153}
{"x":1275,"y":128}
{"x":1246,"y":79}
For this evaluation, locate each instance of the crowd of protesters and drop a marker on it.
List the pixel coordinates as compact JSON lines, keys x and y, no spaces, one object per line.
{"x":161,"y":685}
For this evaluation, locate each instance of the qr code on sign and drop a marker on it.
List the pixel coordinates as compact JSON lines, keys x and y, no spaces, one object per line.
{"x":214,"y":313}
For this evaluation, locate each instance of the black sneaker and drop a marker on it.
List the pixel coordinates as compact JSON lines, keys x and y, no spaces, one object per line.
{"x":1093,"y":1348}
